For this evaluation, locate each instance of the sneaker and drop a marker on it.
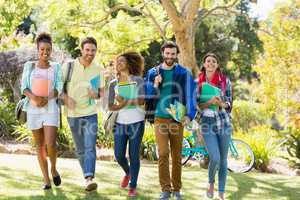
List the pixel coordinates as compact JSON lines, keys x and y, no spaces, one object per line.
{"x":165,"y":196}
{"x":132,"y":192}
{"x":125,"y":181}
{"x":177,"y":195}
{"x":90,"y":185}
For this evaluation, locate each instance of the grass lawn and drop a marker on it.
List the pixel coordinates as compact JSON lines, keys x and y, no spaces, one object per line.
{"x":20,"y":178}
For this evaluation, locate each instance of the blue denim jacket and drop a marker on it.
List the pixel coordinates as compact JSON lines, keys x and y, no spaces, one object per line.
{"x":26,"y":79}
{"x":183,"y":89}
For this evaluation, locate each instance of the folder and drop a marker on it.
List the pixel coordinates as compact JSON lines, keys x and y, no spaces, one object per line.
{"x":95,"y":83}
{"x":128,"y":90}
{"x":209,"y":91}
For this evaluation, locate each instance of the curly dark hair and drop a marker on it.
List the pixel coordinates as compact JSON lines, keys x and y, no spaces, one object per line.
{"x":135,"y":63}
{"x":43,"y":37}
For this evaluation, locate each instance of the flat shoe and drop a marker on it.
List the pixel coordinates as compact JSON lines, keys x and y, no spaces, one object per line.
{"x":57,"y":180}
{"x":46,"y":187}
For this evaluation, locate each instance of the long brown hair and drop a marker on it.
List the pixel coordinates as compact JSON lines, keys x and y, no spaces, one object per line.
{"x":135,"y":63}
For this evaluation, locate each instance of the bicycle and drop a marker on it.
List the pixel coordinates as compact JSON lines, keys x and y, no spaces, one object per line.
{"x":241,"y":158}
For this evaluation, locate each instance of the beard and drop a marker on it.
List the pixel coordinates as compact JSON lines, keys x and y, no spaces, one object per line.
{"x":89,"y":58}
{"x":169,"y":61}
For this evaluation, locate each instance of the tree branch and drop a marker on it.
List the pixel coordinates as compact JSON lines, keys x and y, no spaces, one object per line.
{"x":160,"y":29}
{"x":172,"y":13}
{"x":220,"y":8}
{"x":191,"y":10}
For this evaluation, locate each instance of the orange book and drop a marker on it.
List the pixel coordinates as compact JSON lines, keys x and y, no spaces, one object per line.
{"x":41,"y":87}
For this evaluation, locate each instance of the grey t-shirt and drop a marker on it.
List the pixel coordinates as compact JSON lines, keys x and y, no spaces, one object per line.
{"x":136,"y":114}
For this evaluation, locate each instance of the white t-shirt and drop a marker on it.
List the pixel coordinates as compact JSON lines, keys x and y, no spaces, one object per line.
{"x":128,"y":115}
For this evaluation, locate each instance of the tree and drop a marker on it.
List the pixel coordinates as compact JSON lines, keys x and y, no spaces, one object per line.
{"x":279,"y":67}
{"x":134,"y":24}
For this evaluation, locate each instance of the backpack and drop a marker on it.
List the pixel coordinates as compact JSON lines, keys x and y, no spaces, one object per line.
{"x":65,"y":85}
{"x":20,"y":114}
{"x":150,"y":105}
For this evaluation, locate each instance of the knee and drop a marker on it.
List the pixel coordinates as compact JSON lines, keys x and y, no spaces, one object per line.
{"x":51,"y":146}
{"x":163,"y":153}
{"x":223,"y":163}
{"x":119,"y":156}
{"x":214,"y":160}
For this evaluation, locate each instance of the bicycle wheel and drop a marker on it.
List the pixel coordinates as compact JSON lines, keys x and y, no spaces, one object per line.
{"x":186,"y":153}
{"x":240,"y":157}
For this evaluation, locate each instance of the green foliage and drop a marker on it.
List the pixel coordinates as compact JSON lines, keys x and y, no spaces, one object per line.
{"x":115,"y":32}
{"x":233,"y":39}
{"x":262,"y":141}
{"x":247,"y":114}
{"x":22,"y":134}
{"x":12,"y":14}
{"x":279,"y":67}
{"x":148,"y":143}
{"x":7,"y":115}
{"x":292,"y":144}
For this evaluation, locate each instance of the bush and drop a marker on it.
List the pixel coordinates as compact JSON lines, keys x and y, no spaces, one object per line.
{"x":247,"y":114}
{"x":292,"y":144}
{"x":263,"y":142}
{"x":148,"y":143}
{"x":7,"y":117}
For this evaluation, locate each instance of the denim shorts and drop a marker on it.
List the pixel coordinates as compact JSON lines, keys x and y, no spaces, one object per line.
{"x":37,"y":121}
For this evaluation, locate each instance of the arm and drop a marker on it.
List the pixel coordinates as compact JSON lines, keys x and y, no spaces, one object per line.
{"x":112,"y":105}
{"x":141,"y":93}
{"x":58,"y":84}
{"x":150,"y":90}
{"x":228,"y":98}
{"x":190,"y":96}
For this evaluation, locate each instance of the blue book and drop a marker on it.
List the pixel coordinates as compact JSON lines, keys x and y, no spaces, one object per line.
{"x":95,"y":83}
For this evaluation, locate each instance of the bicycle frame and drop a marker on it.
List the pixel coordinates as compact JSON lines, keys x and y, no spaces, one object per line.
{"x":196,"y":148}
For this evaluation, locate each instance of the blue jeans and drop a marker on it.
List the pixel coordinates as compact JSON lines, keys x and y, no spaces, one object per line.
{"x":132,"y":133}
{"x":84,"y":132}
{"x":217,"y":142}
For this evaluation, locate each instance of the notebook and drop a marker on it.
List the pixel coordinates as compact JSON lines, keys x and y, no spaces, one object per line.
{"x":41,"y":87}
{"x":128,"y":90}
{"x":177,"y":111}
{"x":209,"y":91}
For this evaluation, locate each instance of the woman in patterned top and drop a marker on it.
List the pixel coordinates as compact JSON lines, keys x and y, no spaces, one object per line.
{"x":216,"y":125}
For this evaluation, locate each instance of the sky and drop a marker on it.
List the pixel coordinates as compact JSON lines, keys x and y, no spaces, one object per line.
{"x":263,"y":8}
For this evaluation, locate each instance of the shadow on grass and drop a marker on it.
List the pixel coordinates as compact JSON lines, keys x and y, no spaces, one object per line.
{"x":271,"y":189}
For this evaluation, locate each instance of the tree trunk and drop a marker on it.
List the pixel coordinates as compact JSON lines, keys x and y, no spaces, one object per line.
{"x":185,"y":39}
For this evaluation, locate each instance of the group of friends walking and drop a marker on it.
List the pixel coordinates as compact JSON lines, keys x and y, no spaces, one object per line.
{"x":161,"y":86}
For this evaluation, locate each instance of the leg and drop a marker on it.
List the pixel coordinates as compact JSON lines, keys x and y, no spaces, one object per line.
{"x":176,"y":136}
{"x":90,"y":129}
{"x":38,"y":136}
{"x":223,"y":138}
{"x":136,"y":131}
{"x":120,"y":140}
{"x":78,"y":139}
{"x":50,"y":133}
{"x":209,"y":132}
{"x":162,"y":141}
